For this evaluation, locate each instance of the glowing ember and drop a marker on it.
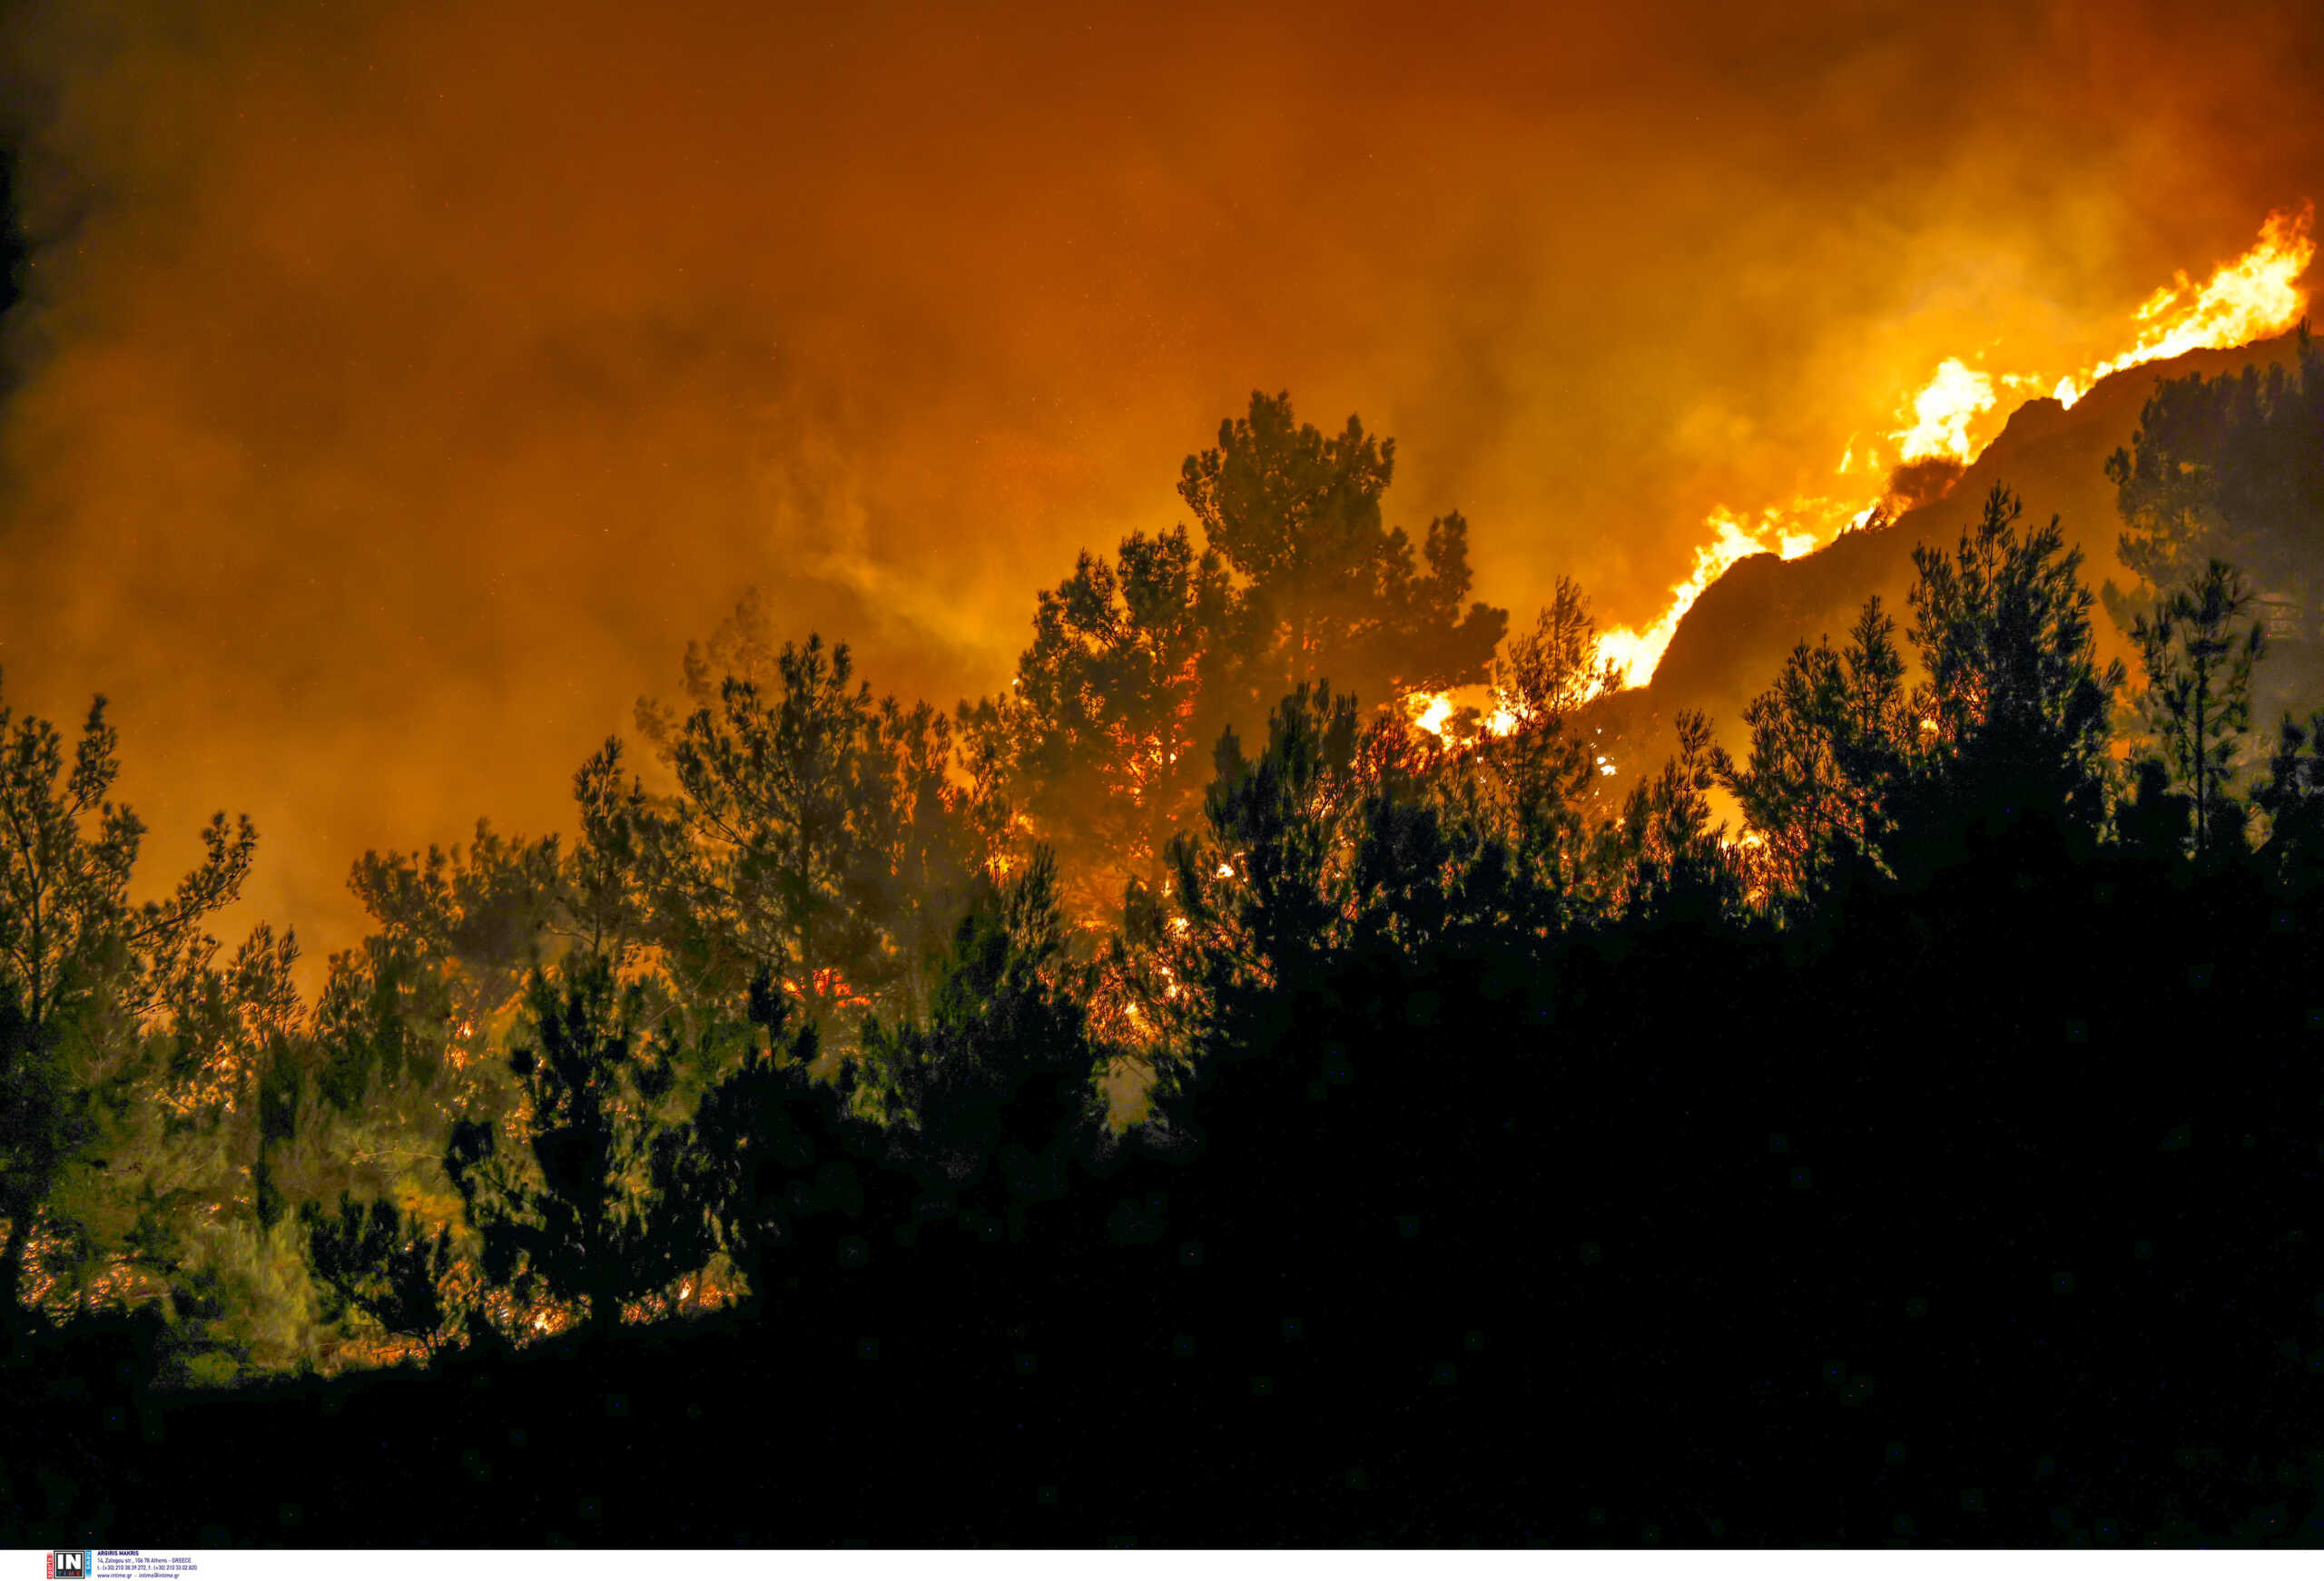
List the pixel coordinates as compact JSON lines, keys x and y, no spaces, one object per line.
{"x":1436,"y":711}
{"x":2256,"y":296}
{"x":1433,"y":708}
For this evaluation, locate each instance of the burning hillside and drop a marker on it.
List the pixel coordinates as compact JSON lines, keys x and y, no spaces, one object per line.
{"x":1946,"y":424}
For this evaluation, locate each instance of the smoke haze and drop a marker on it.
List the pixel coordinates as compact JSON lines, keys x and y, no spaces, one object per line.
{"x":394,"y":389}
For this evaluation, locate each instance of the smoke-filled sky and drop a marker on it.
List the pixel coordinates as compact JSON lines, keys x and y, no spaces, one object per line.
{"x":396,"y":388}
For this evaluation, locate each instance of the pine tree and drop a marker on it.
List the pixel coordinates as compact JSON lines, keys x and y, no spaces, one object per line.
{"x":607,"y":1212}
{"x":1003,"y":1065}
{"x":2197,"y":698}
{"x":2293,"y":799}
{"x":775,"y":1151}
{"x":813,"y":835}
{"x":2231,"y":468}
{"x":82,"y":966}
{"x":2015,"y":703}
{"x":1828,"y":739}
{"x":1100,"y":735}
{"x":1539,"y":771}
{"x":371,"y":1258}
{"x":2227,"y":468}
{"x":1663,"y":854}
{"x":1329,"y":591}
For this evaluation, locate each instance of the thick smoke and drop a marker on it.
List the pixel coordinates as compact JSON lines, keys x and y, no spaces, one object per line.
{"x":1914,"y":484}
{"x":398,"y":388}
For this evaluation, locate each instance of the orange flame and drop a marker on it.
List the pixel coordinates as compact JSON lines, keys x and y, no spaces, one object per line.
{"x":1789,"y":531}
{"x":1943,"y":411}
{"x":1436,"y":712}
{"x":2257,"y":295}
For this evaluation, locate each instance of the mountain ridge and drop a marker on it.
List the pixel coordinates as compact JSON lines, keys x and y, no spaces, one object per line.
{"x":1729,"y":647}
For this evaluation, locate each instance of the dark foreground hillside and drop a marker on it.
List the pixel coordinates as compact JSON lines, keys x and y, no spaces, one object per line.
{"x":1980,"y":1211}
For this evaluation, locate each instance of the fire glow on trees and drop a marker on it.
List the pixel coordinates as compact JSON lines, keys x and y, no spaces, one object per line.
{"x":2255,"y":296}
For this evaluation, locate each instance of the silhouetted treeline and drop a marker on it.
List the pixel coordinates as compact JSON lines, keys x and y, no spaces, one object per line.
{"x":1435,"y":1139}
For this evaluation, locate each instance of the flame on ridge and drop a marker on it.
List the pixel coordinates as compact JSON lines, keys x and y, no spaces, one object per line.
{"x":1789,"y":531}
{"x":1943,"y":411}
{"x":2258,"y":295}
{"x":2255,"y":296}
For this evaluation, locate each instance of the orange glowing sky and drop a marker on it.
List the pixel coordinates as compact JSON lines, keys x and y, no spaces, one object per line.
{"x":398,"y":388}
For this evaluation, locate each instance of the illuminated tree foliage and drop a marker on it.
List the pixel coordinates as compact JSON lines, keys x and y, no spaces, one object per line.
{"x":455,"y":932}
{"x":1003,"y":1060}
{"x":1536,"y":775}
{"x":1264,"y":879}
{"x":1138,"y":665}
{"x":82,"y":966}
{"x":1329,"y":591}
{"x":1104,"y":731}
{"x":812,"y":836}
{"x":1830,"y":738}
{"x":1664,"y":854}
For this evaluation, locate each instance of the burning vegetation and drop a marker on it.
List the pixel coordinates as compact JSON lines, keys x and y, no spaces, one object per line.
{"x":1289,"y":914}
{"x":2247,"y":299}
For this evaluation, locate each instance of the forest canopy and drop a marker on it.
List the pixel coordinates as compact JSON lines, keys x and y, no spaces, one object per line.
{"x":1195,"y":948}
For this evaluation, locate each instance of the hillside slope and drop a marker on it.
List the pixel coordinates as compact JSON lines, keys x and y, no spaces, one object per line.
{"x":1733,"y":640}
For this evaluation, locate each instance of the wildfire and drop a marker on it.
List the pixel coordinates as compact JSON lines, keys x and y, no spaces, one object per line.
{"x":1942,"y":413}
{"x":1789,"y":531}
{"x":1437,"y":712}
{"x":2257,"y":295}
{"x":831,"y":987}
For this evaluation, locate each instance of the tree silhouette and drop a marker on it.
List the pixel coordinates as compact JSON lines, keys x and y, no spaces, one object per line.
{"x":812,"y":836}
{"x":1536,"y":771}
{"x":604,"y":1215}
{"x":1138,"y":663}
{"x":2016,"y":702}
{"x":1829,"y":741}
{"x":1664,"y":854}
{"x":1003,"y":1065}
{"x":776,"y":1155}
{"x":389,"y":1268}
{"x":1262,"y":878}
{"x":1102,"y":730}
{"x":2293,"y":799}
{"x":1328,"y":589}
{"x":2198,"y":697}
{"x":455,"y":932}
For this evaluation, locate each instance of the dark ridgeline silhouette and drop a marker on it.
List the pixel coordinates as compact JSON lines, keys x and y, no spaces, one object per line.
{"x":1522,"y":1157}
